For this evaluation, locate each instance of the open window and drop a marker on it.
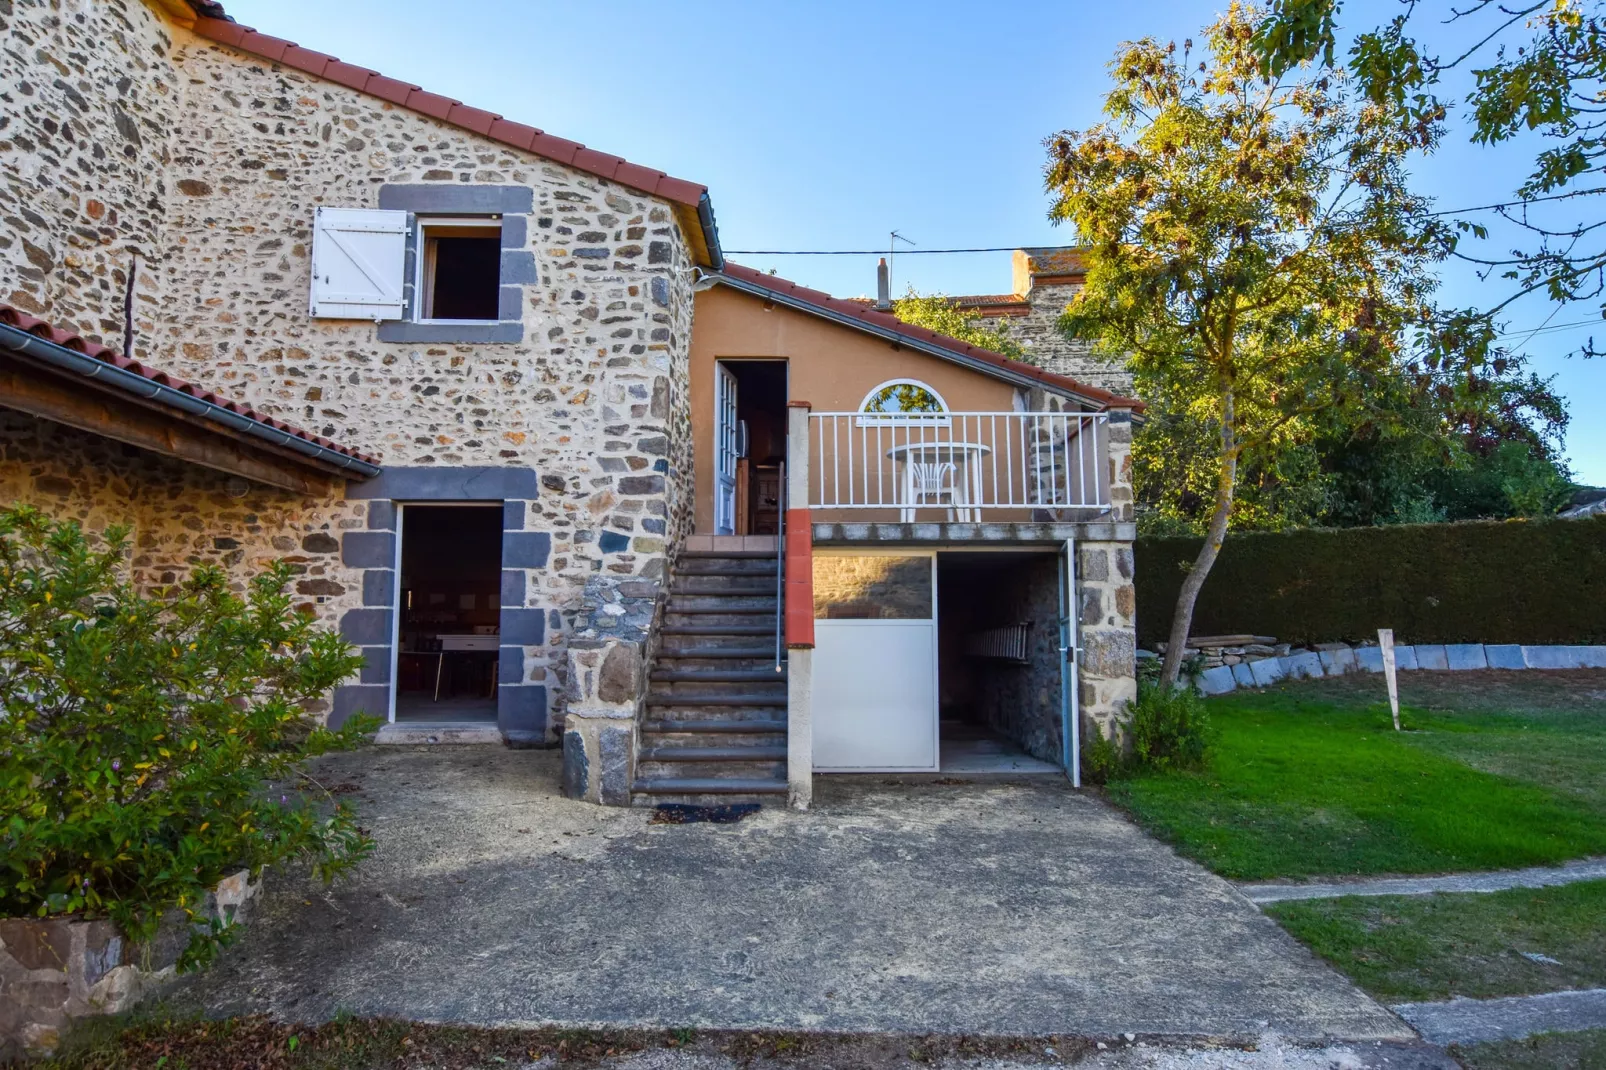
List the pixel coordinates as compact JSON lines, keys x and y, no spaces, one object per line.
{"x":459,"y":270}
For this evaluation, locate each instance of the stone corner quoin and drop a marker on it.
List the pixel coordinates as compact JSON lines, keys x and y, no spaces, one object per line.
{"x":209,"y":164}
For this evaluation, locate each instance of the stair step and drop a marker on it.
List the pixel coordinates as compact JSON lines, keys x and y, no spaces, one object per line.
{"x":712,"y":754}
{"x":738,"y":573}
{"x":694,"y":699}
{"x":718,"y":676}
{"x":733,"y":555}
{"x":709,"y":786}
{"x":760,"y":590}
{"x":719,"y":652}
{"x":714,"y":726}
{"x":717,"y":629}
{"x":744,"y":611}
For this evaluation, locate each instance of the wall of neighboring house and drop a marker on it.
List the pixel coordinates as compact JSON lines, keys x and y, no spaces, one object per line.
{"x":1047,"y":280}
{"x":233,"y":155}
{"x":830,"y":366}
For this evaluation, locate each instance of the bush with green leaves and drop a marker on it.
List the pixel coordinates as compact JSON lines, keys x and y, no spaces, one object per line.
{"x":1168,"y":730}
{"x":149,"y":745}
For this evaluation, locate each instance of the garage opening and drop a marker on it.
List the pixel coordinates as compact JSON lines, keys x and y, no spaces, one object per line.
{"x":451,"y":567}
{"x":999,"y":665}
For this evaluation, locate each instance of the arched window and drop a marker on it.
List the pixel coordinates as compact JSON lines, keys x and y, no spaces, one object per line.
{"x":906,"y":398}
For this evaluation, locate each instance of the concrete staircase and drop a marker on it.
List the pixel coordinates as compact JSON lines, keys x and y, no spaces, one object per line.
{"x":715,"y":727}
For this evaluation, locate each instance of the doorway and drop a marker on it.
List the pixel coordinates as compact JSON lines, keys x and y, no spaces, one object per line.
{"x":450,"y":613}
{"x":1002,"y":676}
{"x":749,"y":446}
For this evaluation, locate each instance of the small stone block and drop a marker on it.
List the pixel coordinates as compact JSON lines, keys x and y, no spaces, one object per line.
{"x":379,"y":587}
{"x":1337,"y":661}
{"x":1463,"y":656}
{"x":1504,"y":656}
{"x":374,"y":700}
{"x":1564,"y":657}
{"x":1268,"y":671}
{"x":523,"y":627}
{"x":366,"y":627}
{"x":612,"y":542}
{"x":1243,"y":675}
{"x":382,"y":516}
{"x":700,"y":543}
{"x":1405,"y":658}
{"x":1217,"y":681}
{"x":513,"y":587}
{"x":368,"y":549}
{"x":521,"y":714}
{"x":1432,"y":657}
{"x":513,"y":516}
{"x":1370,"y":658}
{"x":576,"y":771}
{"x":1305,"y":665}
{"x":526,"y":549}
{"x":510,"y":665}
{"x":375,"y":665}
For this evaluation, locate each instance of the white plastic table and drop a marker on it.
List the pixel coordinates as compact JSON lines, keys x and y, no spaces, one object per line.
{"x":966,"y":459}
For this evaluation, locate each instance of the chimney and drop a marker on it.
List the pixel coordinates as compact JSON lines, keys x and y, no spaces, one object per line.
{"x":883,"y":285}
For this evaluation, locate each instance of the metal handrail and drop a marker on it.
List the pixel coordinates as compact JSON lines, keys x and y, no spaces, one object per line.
{"x":999,"y":460}
{"x":780,"y":567}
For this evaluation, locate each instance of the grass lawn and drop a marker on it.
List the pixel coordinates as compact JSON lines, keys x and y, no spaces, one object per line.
{"x":1550,"y":1051}
{"x":1498,"y":770}
{"x":1405,"y":949}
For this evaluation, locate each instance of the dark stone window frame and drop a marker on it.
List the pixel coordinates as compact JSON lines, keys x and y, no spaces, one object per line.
{"x":515,"y":205}
{"x":522,"y":706}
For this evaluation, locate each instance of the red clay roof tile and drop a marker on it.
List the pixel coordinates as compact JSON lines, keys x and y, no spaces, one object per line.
{"x":474,"y":119}
{"x":859,"y":310}
{"x":431,"y":104}
{"x":512,"y":133}
{"x":40,"y":328}
{"x":390,"y":89}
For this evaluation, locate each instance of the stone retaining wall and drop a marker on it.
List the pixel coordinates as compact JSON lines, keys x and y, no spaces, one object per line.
{"x":54,"y":971}
{"x":1337,"y":659}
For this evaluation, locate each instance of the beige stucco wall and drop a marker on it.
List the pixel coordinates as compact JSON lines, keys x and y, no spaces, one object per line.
{"x":830,"y":366}
{"x":125,"y":130}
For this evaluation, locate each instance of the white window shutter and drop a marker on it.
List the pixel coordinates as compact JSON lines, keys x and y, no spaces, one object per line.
{"x":359,"y":256}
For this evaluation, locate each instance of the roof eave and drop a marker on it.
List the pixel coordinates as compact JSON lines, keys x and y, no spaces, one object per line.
{"x":1100,"y":400}
{"x":42,"y":351}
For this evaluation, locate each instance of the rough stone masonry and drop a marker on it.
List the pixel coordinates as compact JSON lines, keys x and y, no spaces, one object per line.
{"x":128,"y":140}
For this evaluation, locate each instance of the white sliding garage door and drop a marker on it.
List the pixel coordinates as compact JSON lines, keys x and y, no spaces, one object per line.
{"x":875,"y":662}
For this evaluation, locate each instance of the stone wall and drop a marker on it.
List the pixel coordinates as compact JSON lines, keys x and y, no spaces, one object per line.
{"x":55,"y":971}
{"x":1109,"y":601}
{"x":1038,"y":334}
{"x":213,"y":161}
{"x":87,"y":95}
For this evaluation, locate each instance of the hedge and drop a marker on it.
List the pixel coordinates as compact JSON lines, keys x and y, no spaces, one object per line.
{"x":1513,"y":581}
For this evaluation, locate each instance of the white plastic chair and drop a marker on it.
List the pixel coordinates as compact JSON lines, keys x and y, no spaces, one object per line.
{"x":929,"y":479}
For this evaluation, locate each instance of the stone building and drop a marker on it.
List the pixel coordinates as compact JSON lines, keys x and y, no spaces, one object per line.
{"x":258,"y":303}
{"x":1045,"y":280}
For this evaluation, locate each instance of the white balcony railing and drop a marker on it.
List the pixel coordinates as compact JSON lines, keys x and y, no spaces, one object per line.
{"x":960,"y":465}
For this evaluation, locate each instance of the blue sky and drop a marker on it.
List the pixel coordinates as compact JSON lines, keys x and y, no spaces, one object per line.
{"x":826,"y":125}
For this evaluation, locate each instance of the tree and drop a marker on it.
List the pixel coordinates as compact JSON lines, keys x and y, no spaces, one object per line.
{"x":1544,"y":71}
{"x":1252,"y":247}
{"x":940,"y":313}
{"x":139,"y":736}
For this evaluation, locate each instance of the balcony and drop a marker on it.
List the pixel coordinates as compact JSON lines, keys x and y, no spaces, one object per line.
{"x":958,"y":467}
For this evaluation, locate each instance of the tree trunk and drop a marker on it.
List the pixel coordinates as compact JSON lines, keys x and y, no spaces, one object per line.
{"x":1182,"y":617}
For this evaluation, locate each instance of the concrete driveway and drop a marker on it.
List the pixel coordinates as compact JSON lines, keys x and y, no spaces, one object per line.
{"x":949,"y":907}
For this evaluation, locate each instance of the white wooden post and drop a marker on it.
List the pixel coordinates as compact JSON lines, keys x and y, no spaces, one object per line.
{"x":1385,"y":639}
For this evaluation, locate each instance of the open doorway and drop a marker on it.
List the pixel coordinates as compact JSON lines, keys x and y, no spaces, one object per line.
{"x":451,"y":565}
{"x":749,"y":446}
{"x":999,"y":686}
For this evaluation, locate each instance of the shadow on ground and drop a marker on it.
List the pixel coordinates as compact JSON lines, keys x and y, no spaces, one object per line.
{"x":1001,"y":908}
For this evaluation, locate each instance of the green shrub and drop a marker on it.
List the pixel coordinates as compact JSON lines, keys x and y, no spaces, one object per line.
{"x":142,"y":738}
{"x":1515,"y":581}
{"x":1167,"y":729}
